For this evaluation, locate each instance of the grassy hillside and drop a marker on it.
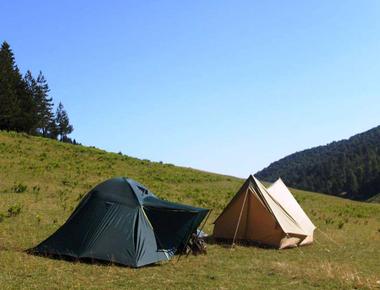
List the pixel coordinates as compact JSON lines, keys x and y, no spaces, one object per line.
{"x":348,"y":168}
{"x":42,"y":180}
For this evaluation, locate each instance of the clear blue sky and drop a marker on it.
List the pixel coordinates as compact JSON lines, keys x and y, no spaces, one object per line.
{"x":223,"y":86}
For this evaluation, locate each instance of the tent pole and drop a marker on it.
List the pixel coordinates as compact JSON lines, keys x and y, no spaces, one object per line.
{"x":204,"y":222}
{"x":241,"y":212}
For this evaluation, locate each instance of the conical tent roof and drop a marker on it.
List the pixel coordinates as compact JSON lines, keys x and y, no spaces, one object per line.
{"x":285,"y":218}
{"x":256,"y":214}
{"x":281,"y":193}
{"x":122,"y":221}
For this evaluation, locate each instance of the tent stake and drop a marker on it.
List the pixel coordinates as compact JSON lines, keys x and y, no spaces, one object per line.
{"x":241,"y":212}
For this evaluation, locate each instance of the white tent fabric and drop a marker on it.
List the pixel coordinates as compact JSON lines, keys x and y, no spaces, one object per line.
{"x":281,"y":193}
{"x":284,"y":217}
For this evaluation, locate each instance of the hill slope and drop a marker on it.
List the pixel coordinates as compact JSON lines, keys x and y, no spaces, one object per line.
{"x":350,"y":168}
{"x":42,"y":180}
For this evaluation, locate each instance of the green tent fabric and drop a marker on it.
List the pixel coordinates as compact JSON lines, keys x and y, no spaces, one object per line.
{"x":121,"y":221}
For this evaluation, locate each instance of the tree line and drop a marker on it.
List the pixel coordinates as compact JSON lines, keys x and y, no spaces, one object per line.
{"x":349,"y":168}
{"x":25,"y":102}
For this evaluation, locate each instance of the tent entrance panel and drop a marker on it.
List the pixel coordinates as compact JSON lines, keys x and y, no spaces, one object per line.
{"x":171,"y":227}
{"x":226,"y":226}
{"x":262,"y":226}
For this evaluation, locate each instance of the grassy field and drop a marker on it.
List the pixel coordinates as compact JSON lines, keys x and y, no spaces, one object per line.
{"x":42,"y":180}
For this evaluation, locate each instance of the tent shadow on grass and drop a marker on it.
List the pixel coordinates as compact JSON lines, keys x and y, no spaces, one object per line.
{"x":227,"y":243}
{"x":90,"y":261}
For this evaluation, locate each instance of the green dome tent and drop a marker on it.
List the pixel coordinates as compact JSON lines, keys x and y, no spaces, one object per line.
{"x":121,"y":221}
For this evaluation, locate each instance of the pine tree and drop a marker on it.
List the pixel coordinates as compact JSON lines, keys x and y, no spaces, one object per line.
{"x":45,"y":105}
{"x":63,"y":124}
{"x":33,"y":110}
{"x":10,"y":84}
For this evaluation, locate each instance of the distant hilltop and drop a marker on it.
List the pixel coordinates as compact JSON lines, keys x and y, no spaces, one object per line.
{"x":349,"y":168}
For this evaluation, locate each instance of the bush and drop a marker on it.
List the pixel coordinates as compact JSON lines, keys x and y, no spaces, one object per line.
{"x":14,"y":210}
{"x":329,"y":220}
{"x":36,"y":189}
{"x":19,"y":188}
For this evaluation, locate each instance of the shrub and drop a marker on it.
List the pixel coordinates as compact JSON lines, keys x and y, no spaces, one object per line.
{"x":36,"y":189}
{"x":14,"y":210}
{"x":19,"y":188}
{"x":329,"y":220}
{"x":43,"y":156}
{"x":65,"y":181}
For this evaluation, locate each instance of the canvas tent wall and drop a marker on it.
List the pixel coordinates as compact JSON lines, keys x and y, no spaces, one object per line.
{"x":282,"y":194}
{"x":121,"y":221}
{"x":254,"y":214}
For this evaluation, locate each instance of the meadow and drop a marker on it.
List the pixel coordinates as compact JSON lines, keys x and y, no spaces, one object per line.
{"x":42,"y":180}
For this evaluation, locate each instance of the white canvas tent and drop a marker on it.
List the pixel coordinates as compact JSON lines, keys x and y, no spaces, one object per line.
{"x":268,"y":216}
{"x":281,"y":193}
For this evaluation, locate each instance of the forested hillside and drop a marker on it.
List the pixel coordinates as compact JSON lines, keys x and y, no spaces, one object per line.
{"x":349,"y":168}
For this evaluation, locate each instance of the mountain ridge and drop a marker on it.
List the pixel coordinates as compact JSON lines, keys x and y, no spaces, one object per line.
{"x":348,"y":168}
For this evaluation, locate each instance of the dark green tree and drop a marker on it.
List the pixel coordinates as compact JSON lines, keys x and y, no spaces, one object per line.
{"x":64,"y":127}
{"x":46,"y":125}
{"x":31,"y":110}
{"x":10,"y":86}
{"x":352,"y":185}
